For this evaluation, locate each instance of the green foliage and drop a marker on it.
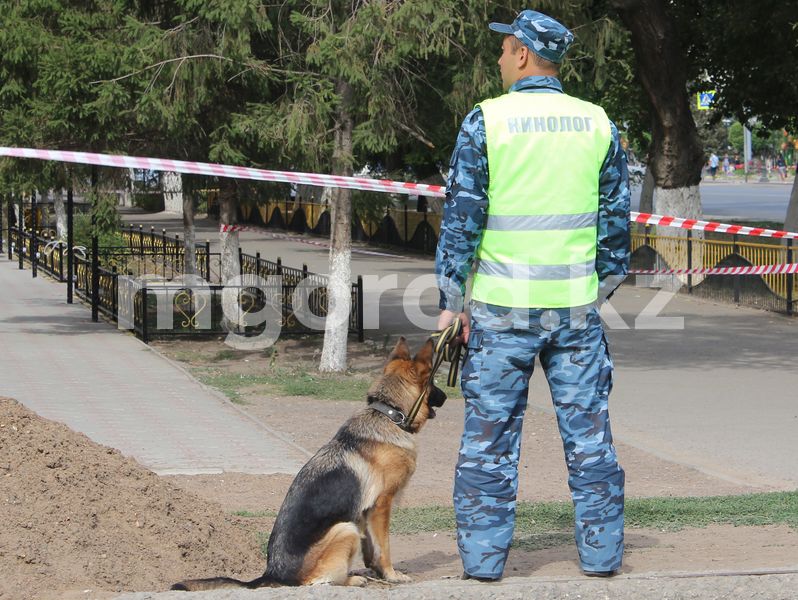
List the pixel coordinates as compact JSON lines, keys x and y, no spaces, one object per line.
{"x":747,"y":49}
{"x":379,"y":49}
{"x":106,"y":219}
{"x":148,"y":202}
{"x":105,"y":239}
{"x":370,"y":206}
{"x":766,"y":141}
{"x":241,"y":82}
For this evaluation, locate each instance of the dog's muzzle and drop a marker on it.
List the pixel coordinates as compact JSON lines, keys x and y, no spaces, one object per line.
{"x":436,"y":399}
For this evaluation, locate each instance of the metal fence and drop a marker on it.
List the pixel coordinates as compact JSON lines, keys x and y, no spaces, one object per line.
{"x":139,"y":278}
{"x":400,"y":227}
{"x":651,"y":250}
{"x":313,"y":298}
{"x":297,"y":310}
{"x":164,"y":255}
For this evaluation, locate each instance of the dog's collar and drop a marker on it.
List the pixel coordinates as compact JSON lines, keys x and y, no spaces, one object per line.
{"x":393,"y":413}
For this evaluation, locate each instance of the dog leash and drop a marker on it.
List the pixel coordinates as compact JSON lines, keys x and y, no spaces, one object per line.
{"x":446,"y":348}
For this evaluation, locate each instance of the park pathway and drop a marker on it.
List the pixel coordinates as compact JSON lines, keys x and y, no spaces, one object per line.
{"x":110,"y":386}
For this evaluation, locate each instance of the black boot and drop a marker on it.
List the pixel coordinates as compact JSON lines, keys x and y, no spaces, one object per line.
{"x":475,"y":578}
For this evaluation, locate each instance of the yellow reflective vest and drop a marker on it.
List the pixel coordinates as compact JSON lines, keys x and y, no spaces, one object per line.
{"x":538,"y":246}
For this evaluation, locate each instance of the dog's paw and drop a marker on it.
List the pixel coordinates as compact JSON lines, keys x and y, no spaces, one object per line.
{"x":356,"y":581}
{"x":396,"y":577}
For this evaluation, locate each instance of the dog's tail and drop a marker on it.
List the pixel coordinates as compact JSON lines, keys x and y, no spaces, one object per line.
{"x":195,"y":585}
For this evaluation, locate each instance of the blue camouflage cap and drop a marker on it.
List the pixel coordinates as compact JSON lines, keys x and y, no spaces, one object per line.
{"x":545,"y":36}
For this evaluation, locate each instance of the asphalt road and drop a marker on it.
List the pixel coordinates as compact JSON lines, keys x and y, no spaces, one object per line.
{"x":765,"y":201}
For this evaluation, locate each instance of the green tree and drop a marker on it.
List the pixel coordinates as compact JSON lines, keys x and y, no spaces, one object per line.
{"x":676,"y":157}
{"x":747,"y":50}
{"x":196,"y":66}
{"x":50,"y":53}
{"x":349,"y":79}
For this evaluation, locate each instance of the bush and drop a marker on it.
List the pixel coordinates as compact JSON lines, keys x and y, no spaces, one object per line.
{"x":105,"y":239}
{"x":107,"y":225}
{"x":149,"y":201}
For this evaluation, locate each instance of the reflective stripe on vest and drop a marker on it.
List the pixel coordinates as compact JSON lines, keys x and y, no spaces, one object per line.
{"x":538,"y":247}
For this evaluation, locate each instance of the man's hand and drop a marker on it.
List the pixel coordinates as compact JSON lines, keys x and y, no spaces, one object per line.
{"x":446,"y":318}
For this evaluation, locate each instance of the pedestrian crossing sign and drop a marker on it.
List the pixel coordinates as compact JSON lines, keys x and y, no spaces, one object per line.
{"x":704,"y":99}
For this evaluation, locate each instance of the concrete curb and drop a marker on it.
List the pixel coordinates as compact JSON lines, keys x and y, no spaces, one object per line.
{"x":706,"y":585}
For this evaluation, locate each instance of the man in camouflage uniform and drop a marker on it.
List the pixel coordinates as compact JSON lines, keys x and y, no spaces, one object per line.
{"x":518,"y":323}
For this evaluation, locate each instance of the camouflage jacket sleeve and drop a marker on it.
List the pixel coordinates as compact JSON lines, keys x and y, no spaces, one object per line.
{"x":614,"y":248}
{"x":464,"y":211}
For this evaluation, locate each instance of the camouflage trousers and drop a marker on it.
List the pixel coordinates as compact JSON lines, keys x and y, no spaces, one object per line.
{"x":573,"y":352}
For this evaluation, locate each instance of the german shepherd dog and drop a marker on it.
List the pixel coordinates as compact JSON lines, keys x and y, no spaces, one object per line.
{"x":339,"y":504}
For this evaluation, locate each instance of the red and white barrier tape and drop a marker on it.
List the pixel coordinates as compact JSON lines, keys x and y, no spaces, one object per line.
{"x":755,"y":270}
{"x":217,"y":170}
{"x":231,"y":228}
{"x":697,"y":225}
{"x":357,"y":183}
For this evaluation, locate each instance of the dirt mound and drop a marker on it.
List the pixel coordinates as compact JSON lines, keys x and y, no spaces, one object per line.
{"x":77,"y":515}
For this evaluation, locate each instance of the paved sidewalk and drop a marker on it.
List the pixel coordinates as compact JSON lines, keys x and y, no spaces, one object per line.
{"x":108,"y":385}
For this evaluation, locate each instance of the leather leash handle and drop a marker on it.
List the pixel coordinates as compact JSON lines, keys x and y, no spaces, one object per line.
{"x":444,"y":349}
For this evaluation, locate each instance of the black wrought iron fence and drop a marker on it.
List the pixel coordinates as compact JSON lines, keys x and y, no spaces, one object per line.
{"x":164,"y":255}
{"x":50,"y":253}
{"x":305,"y":292}
{"x":304,"y":296}
{"x":133,"y":283}
{"x":161,"y":309}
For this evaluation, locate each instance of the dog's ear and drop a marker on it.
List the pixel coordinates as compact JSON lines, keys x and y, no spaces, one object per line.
{"x":423,"y":359}
{"x":401,"y":350}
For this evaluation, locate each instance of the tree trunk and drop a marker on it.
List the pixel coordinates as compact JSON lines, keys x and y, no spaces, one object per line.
{"x":231,"y":267}
{"x":190,"y":255}
{"x":339,"y":289}
{"x":676,"y":155}
{"x":127,"y":197}
{"x":60,"y":214}
{"x":172,"y":184}
{"x":647,"y":193}
{"x":791,"y":220}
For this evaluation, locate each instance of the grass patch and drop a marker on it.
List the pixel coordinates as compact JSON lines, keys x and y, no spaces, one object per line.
{"x":225,"y":354}
{"x":544,"y":518}
{"x":287,"y":382}
{"x":327,"y":387}
{"x":550,"y":524}
{"x":184,"y":356}
{"x":752,"y":509}
{"x":230,"y":384}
